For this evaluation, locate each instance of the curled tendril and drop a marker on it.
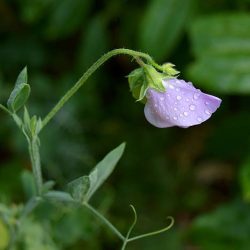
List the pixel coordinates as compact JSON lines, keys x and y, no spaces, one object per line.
{"x":154,"y":232}
{"x":134,"y":222}
{"x":127,"y":239}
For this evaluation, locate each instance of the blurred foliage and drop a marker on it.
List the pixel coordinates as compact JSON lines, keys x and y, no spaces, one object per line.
{"x":199,"y":175}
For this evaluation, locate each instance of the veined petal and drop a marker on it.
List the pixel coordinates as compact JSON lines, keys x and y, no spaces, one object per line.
{"x":180,"y":105}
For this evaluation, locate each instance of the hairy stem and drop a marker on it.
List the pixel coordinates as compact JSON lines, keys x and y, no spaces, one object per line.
{"x":90,"y":71}
{"x":36,"y":163}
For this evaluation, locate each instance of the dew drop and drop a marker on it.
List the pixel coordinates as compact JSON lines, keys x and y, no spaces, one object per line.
{"x":192,"y":107}
{"x":185,"y":113}
{"x":187,"y":100}
{"x":207,"y":112}
{"x":175,"y":109}
{"x":196,"y":96}
{"x":175,"y":118}
{"x":207,"y":103}
{"x":156,"y":105}
{"x":199,"y":119}
{"x":171,"y":86}
{"x":181,"y":115}
{"x":162,"y":98}
{"x":178,"y":97}
{"x":177,"y":89}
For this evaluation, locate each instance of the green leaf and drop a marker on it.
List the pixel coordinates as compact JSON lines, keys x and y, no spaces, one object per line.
{"x":20,"y":93}
{"x":221,"y":44}
{"x":162,"y":25}
{"x":22,"y":77}
{"x":103,"y":169}
{"x":58,"y":196}
{"x":79,"y":188}
{"x":83,"y":188}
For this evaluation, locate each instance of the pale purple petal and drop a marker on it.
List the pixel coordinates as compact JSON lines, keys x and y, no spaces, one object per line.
{"x":181,"y":105}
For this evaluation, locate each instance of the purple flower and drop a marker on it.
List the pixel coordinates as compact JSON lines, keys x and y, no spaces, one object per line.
{"x":180,"y":105}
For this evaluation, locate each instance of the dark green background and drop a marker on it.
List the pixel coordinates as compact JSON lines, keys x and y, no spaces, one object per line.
{"x":199,"y":175}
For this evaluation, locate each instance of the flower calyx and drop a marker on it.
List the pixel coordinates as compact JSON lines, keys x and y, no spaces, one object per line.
{"x":145,"y":77}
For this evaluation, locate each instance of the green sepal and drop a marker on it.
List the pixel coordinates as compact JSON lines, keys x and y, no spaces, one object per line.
{"x":143,"y":78}
{"x":169,"y":69}
{"x":137,"y":84}
{"x":20,"y":93}
{"x":154,"y":78}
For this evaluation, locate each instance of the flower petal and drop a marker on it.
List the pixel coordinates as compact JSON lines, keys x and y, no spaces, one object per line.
{"x":181,"y":105}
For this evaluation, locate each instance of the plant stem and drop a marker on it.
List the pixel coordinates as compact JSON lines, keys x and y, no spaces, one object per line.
{"x":36,"y":163}
{"x":105,"y":221}
{"x":89,"y":72}
{"x":5,"y":109}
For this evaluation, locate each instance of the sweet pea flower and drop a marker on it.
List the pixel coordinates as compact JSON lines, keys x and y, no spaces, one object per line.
{"x":180,"y":105}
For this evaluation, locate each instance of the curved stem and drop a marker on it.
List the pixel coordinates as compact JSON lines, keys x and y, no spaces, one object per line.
{"x":89,"y":72}
{"x":105,"y":221}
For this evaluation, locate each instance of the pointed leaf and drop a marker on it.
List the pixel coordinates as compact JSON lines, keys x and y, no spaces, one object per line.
{"x":18,"y":97}
{"x":22,"y":77}
{"x":103,"y":169}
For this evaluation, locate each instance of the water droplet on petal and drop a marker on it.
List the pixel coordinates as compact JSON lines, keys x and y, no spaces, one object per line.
{"x":162,"y":98}
{"x":187,"y":100}
{"x":199,"y":119}
{"x":177,"y":89}
{"x":178,"y":97}
{"x":171,"y":86}
{"x":181,"y":115}
{"x":207,"y":112}
{"x":175,"y":109}
{"x":192,"y":107}
{"x":207,"y":103}
{"x":196,"y":95}
{"x":185,"y":113}
{"x":156,"y":105}
{"x":175,"y":117}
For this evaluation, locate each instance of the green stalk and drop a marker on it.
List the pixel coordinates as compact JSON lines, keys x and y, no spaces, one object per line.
{"x":90,"y":71}
{"x":105,"y":221}
{"x":36,"y":163}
